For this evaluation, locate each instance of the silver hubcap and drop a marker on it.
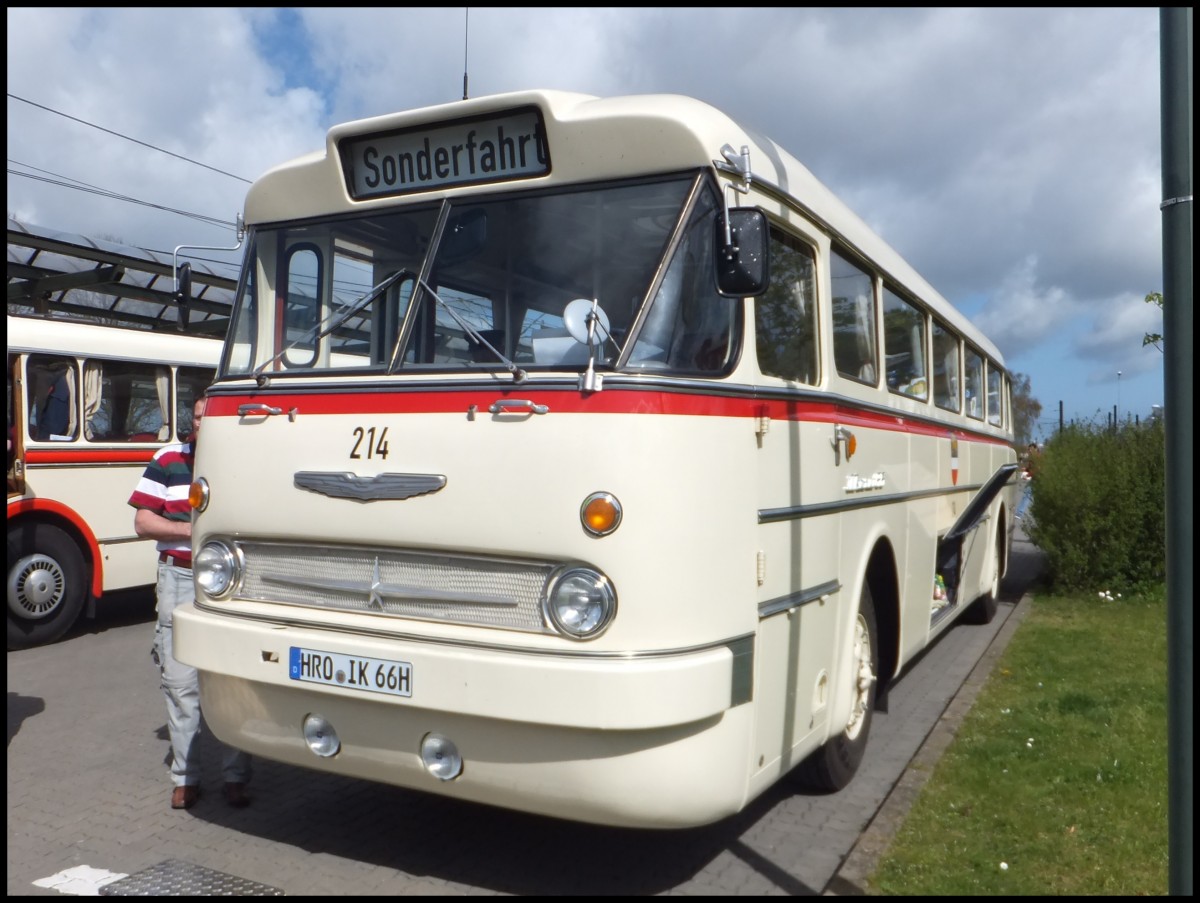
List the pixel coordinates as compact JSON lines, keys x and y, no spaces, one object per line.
{"x":863,"y":678}
{"x":36,"y":586}
{"x":996,"y":573}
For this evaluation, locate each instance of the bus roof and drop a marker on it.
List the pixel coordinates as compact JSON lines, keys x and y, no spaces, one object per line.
{"x":50,"y":336}
{"x":593,"y":138}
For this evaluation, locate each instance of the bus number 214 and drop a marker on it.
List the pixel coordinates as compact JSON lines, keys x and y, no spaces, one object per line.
{"x":374,"y":448}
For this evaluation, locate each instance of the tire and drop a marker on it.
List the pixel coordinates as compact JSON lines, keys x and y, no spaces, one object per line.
{"x":46,"y":584}
{"x":832,"y":766}
{"x":983,"y":609}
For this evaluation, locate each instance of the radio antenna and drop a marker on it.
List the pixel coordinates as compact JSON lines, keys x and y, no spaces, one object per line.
{"x":466,"y":30}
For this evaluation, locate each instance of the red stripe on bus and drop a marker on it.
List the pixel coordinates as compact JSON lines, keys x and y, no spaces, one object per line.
{"x":617,"y":400}
{"x":88,"y":455}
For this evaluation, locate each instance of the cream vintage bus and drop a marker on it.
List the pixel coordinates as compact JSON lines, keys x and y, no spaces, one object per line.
{"x":88,"y":405}
{"x":535,"y":474}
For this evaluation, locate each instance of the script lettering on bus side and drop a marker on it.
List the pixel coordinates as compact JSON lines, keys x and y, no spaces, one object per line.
{"x":513,"y":146}
{"x":856,"y":483}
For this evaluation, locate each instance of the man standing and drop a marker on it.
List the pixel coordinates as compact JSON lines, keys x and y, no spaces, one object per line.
{"x":165,"y":515}
{"x":1032,"y":454}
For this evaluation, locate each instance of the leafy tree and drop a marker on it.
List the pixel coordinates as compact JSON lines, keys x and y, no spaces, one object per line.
{"x":1153,"y":338}
{"x":1025,"y":408}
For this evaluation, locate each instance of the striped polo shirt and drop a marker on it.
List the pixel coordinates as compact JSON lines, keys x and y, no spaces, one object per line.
{"x":164,"y":487}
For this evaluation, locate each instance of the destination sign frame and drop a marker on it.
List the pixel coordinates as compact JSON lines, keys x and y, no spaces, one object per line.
{"x":498,"y":147}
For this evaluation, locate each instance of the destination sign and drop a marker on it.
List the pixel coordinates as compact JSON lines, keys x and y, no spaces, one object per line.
{"x":511,"y":145}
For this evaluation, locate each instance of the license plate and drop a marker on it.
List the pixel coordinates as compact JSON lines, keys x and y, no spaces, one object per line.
{"x":354,"y":672}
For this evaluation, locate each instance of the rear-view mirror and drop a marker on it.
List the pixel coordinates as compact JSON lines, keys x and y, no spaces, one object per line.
{"x":741,"y":252}
{"x":183,"y":293}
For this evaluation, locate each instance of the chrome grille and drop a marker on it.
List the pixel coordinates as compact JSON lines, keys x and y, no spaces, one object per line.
{"x":461,"y":589}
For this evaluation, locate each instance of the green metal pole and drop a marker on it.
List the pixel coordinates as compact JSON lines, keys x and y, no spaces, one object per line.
{"x":1175,"y":37}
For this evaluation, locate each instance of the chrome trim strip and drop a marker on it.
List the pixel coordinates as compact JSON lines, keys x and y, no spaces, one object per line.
{"x":121,"y":540}
{"x":382,"y":486}
{"x":798,"y":512}
{"x":377,"y":591}
{"x":795,"y":600}
{"x":733,"y":644}
{"x":626,"y":379}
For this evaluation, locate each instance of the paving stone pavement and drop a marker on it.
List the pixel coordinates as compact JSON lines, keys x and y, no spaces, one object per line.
{"x":88,"y":786}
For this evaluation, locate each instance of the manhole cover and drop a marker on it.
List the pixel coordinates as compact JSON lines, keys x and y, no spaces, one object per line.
{"x":174,"y":878}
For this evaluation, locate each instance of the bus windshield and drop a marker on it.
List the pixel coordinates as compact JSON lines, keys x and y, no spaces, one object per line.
{"x":492,"y":277}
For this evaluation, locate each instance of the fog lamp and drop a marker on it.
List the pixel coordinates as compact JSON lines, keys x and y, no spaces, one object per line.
{"x":320,"y":736}
{"x":441,"y":757}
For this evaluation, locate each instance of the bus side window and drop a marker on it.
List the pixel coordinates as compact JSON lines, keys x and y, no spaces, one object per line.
{"x":995,"y":415}
{"x":946,"y":368}
{"x":904,"y":346}
{"x":97,"y":420}
{"x":126,"y":402}
{"x":974,"y":384}
{"x":52,"y":398}
{"x":853,"y":320}
{"x":785,"y":316}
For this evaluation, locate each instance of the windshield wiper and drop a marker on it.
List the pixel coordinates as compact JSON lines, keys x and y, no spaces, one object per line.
{"x":317,"y":332}
{"x":518,"y":374}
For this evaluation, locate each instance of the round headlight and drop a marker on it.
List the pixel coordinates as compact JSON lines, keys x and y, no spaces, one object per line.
{"x":579,"y":602}
{"x":216,"y":568}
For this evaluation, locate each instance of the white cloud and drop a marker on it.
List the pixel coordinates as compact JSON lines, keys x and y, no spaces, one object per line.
{"x":1009,"y":154}
{"x":1022,"y":314}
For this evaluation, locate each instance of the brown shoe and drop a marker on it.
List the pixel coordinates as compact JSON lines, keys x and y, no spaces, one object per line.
{"x":236,"y":796}
{"x":184,"y":797}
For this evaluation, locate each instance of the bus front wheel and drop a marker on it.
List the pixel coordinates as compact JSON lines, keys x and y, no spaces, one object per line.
{"x":46,"y":577}
{"x":832,"y":766}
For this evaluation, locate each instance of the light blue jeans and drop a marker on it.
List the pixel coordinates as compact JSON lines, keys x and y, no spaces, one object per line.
{"x":1026,"y":498}
{"x":181,"y":686}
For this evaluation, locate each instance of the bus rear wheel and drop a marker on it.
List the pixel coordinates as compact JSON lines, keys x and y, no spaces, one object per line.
{"x":983,"y":609}
{"x":832,"y":766}
{"x":46,"y":574}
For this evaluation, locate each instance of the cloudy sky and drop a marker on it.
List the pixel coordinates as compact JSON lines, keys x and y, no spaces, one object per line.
{"x":1011,"y":155}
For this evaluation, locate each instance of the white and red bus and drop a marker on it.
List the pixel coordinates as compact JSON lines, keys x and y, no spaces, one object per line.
{"x":536,"y":475}
{"x":88,"y":405}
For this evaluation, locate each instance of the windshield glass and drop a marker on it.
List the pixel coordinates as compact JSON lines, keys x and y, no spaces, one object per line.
{"x":339,"y":295}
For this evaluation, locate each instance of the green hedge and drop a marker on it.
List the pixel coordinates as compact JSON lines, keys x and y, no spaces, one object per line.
{"x":1097,"y":509}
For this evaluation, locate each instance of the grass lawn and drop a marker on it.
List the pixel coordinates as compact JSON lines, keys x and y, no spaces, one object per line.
{"x":1057,"y":780}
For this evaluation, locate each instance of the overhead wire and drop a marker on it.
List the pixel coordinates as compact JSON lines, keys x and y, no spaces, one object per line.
{"x":63,"y":181}
{"x":128,"y":138}
{"x":67,"y":182}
